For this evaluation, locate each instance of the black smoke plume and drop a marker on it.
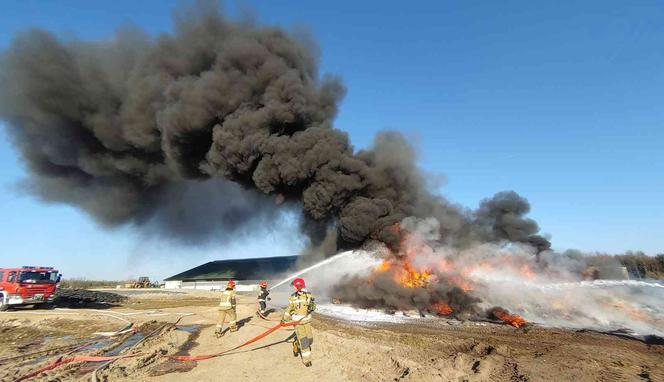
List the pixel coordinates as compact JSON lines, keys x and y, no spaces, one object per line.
{"x":151,"y":131}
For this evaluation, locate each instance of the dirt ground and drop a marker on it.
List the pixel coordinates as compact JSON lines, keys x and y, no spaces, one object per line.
{"x":342,"y":351}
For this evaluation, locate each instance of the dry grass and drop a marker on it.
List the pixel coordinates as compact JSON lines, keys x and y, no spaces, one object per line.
{"x":141,"y":304}
{"x":89,"y":284}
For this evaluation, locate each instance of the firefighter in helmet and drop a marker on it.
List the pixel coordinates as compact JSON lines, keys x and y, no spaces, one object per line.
{"x":227,"y":308}
{"x":300,"y":306}
{"x":263,"y":298}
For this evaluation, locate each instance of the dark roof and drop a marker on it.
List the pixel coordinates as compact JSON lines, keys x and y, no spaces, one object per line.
{"x":240,"y":269}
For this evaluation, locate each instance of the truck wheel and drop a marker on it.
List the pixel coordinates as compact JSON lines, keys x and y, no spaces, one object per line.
{"x":3,"y":306}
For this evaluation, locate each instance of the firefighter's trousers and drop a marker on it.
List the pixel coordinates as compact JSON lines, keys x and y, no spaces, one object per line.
{"x":262,"y":306}
{"x":231,"y":316}
{"x":304,"y":337}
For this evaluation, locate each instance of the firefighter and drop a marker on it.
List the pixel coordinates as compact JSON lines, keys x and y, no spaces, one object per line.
{"x":227,"y":308}
{"x":263,"y":298}
{"x":300,"y":306}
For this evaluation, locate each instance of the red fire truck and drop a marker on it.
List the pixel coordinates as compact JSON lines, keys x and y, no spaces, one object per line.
{"x":27,"y":286}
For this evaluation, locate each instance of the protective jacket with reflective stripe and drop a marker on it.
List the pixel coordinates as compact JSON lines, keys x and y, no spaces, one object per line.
{"x":300,"y":306}
{"x":227,"y":299}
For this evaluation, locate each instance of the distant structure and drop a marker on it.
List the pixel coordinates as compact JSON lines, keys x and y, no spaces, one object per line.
{"x":246,"y":272}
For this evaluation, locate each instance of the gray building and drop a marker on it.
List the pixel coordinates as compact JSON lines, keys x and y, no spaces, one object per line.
{"x":247,"y":273}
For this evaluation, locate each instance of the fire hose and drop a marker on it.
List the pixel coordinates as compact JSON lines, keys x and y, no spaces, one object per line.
{"x":63,"y":361}
{"x":249,"y":342}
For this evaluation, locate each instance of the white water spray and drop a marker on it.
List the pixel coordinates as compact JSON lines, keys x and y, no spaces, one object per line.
{"x":317,"y":265}
{"x":602,"y":284}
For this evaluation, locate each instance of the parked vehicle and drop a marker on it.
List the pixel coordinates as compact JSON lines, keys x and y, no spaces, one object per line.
{"x":142,"y":282}
{"x":28,"y":285}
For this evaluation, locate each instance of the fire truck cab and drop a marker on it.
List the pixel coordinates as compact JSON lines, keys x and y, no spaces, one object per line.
{"x":27,"y":285}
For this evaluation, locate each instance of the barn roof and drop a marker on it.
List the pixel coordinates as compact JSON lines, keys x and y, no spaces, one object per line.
{"x":238,"y":269}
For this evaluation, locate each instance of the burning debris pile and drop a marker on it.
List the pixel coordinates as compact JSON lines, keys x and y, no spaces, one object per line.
{"x":396,"y":285}
{"x":481,"y":281}
{"x":400,"y":283}
{"x":418,"y":276}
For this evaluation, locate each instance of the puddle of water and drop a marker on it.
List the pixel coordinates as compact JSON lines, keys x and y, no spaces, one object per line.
{"x":42,"y":344}
{"x":129,"y":342}
{"x":189,"y":328}
{"x":98,"y":345}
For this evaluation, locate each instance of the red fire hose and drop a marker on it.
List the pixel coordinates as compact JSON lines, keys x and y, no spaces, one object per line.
{"x":60,"y":361}
{"x":251,"y":341}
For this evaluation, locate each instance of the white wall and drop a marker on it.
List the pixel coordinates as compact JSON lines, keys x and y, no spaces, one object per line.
{"x":173,"y":284}
{"x":240,"y":286}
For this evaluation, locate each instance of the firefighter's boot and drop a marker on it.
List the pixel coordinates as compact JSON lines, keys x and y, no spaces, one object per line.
{"x":219,"y":332}
{"x":305,"y":353}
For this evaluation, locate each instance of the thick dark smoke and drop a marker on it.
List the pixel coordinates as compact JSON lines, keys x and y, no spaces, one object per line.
{"x":149,"y":131}
{"x":196,"y":212}
{"x":503,"y":219}
{"x":131,"y":129}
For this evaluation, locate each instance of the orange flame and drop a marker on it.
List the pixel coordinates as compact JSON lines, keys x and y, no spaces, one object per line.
{"x":512,"y":319}
{"x":404,"y":273}
{"x":384,"y":266}
{"x":442,"y":308}
{"x":411,"y":278}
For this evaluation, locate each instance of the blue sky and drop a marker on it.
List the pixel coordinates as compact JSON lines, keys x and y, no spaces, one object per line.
{"x":560,"y":101}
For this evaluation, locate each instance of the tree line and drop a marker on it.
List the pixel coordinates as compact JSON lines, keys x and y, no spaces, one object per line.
{"x":638,"y":264}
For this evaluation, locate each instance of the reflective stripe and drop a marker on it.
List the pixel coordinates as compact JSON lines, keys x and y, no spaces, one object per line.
{"x":261,"y":299}
{"x":306,"y":354}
